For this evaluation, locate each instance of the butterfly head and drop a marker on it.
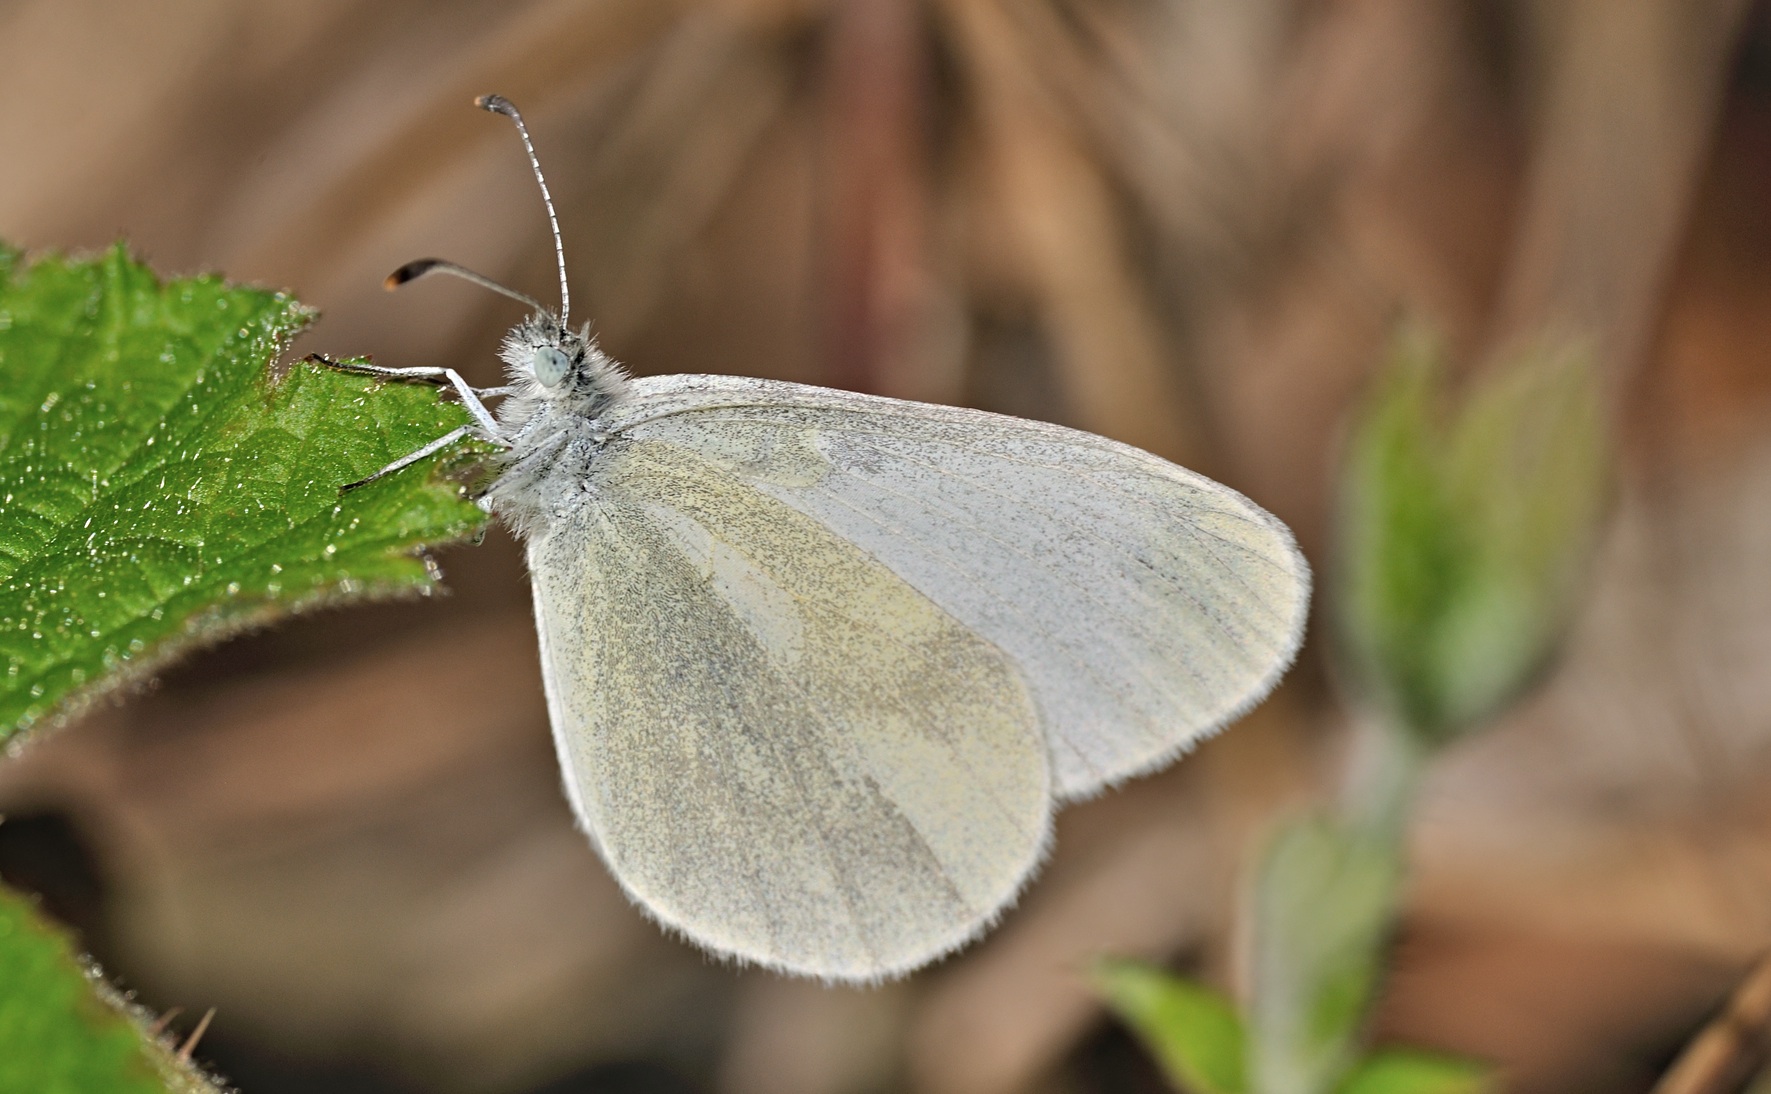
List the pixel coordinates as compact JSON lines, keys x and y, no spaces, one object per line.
{"x":544,"y":356}
{"x":557,"y":359}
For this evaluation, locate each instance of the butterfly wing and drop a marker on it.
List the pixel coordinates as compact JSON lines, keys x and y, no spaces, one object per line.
{"x":779,"y":746}
{"x":1144,"y":606}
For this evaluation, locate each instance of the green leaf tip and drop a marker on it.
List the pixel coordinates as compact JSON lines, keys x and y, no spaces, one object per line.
{"x":1407,"y":1071}
{"x":1192,"y":1031}
{"x":159,"y":488}
{"x":1464,"y":533}
{"x":58,"y":1035}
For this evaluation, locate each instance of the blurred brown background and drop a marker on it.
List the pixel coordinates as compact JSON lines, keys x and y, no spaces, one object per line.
{"x":1185,"y":224}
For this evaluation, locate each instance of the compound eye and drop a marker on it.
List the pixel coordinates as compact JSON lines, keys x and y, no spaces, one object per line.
{"x":551,"y":365}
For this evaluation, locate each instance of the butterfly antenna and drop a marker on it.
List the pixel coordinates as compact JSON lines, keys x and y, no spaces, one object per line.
{"x":412,"y":271}
{"x":498,"y":104}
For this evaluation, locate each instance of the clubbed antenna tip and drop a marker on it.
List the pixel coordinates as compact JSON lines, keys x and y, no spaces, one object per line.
{"x":497,"y":104}
{"x":411,"y":271}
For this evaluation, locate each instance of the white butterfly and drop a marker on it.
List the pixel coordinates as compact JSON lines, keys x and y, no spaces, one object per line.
{"x":821,"y":665}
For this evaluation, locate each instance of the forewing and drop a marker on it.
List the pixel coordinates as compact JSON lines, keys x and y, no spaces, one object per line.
{"x":779,"y":746}
{"x":1144,"y":605}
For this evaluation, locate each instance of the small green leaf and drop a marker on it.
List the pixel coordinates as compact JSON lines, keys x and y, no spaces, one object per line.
{"x":1463,"y":537}
{"x":1405,"y":1071}
{"x":158,"y":489}
{"x":1192,"y":1031}
{"x":1323,"y":903}
{"x":60,"y":1036}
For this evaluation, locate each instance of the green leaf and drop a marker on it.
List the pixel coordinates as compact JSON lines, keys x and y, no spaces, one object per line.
{"x":1463,"y":537}
{"x":1192,"y":1031}
{"x":60,"y":1036}
{"x":1323,"y":904}
{"x":158,"y":489}
{"x":1405,"y":1071}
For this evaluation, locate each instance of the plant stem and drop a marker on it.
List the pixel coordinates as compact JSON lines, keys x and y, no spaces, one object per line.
{"x":1383,"y":771}
{"x":1717,"y":1059}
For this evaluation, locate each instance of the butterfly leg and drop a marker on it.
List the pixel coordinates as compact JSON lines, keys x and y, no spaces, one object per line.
{"x":544,"y":450}
{"x":470,"y":397}
{"x":410,"y":458}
